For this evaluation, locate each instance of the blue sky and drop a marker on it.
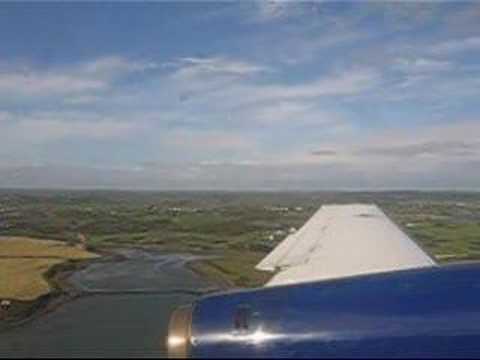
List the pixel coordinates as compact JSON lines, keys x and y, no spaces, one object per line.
{"x":240,"y":95}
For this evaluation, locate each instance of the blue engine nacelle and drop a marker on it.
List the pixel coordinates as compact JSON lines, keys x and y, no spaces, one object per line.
{"x":432,"y":312}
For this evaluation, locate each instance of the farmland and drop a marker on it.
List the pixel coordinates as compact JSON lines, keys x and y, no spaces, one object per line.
{"x":238,"y":229}
{"x":24,"y":262}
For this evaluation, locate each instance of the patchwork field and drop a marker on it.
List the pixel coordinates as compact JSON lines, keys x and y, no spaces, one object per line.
{"x":24,"y":262}
{"x":237,"y":229}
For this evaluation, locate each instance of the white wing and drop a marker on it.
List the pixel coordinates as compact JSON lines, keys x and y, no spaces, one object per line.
{"x":340,"y":241}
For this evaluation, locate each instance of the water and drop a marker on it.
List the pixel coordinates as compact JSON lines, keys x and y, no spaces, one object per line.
{"x":112,"y":323}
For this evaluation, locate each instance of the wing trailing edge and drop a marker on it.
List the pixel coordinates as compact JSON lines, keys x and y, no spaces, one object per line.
{"x":341,"y":241}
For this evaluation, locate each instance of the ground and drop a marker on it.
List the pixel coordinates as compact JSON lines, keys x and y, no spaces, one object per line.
{"x":24,"y":262}
{"x":238,"y":229}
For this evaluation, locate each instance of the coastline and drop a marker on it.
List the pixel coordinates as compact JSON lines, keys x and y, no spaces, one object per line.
{"x":64,"y":291}
{"x":203,"y":268}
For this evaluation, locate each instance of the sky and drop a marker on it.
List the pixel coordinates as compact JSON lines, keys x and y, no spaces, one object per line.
{"x":248,"y":95}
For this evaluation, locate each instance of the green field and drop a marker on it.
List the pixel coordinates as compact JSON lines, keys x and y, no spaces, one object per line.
{"x":238,"y":228}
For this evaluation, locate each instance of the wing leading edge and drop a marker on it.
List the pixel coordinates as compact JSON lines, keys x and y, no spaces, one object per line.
{"x":340,"y":241}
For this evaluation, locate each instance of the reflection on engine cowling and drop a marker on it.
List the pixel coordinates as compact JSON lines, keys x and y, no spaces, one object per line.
{"x":428,"y":312}
{"x":179,"y":333}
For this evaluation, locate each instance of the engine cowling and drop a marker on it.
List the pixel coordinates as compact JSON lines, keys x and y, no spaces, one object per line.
{"x":431,"y":312}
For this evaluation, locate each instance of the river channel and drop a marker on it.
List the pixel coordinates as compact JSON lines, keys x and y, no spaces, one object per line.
{"x":125,"y":312}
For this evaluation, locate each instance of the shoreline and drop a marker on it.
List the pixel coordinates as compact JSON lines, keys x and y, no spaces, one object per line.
{"x":63,"y":291}
{"x":203,"y":268}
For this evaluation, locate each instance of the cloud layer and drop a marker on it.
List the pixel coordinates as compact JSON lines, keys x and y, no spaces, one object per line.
{"x":250,"y":95}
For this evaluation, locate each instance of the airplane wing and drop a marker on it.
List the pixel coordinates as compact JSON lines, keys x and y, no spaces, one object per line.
{"x":340,"y":241}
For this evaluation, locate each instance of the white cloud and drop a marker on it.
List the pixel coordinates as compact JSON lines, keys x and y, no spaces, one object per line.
{"x":440,"y":156}
{"x":410,"y":81}
{"x":82,"y":99}
{"x":231,"y":163}
{"x":110,"y":66}
{"x":426,"y":147}
{"x":298,"y":48}
{"x":221,"y":92}
{"x":83,"y":78}
{"x":4,"y":116}
{"x":421,"y":65}
{"x":48,"y":130}
{"x":263,"y":11}
{"x":288,"y":113}
{"x":191,"y":67}
{"x":271,"y":10}
{"x":437,"y":156}
{"x":345,"y":83}
{"x":41,"y":84}
{"x":212,"y":102}
{"x":191,"y":77}
{"x":280,"y":112}
{"x":456,"y":46}
{"x":206,"y":140}
{"x":43,"y":127}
